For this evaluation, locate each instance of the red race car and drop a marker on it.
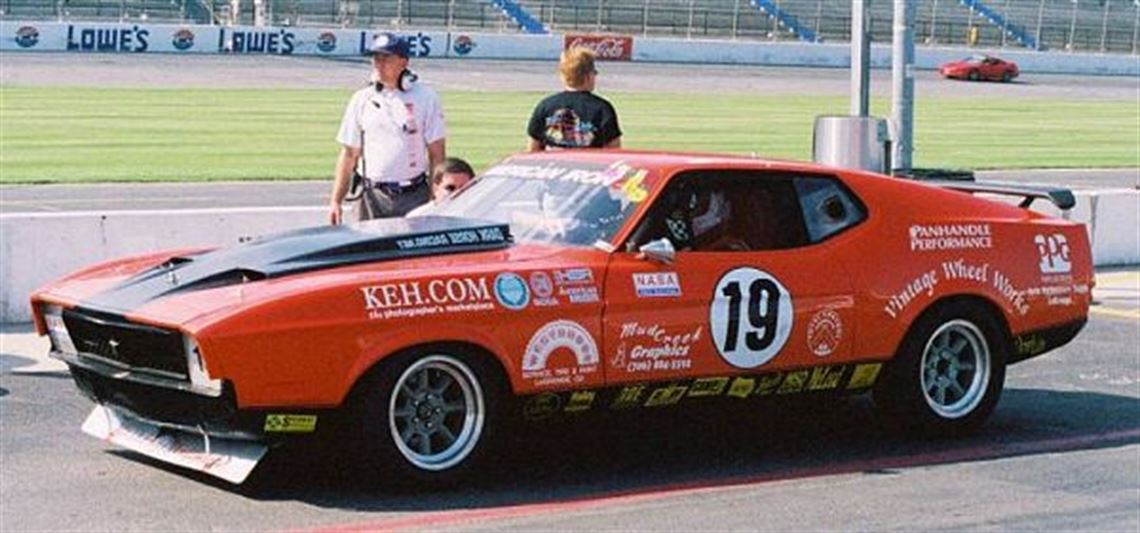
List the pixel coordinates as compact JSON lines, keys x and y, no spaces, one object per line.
{"x":562,"y":283}
{"x":980,"y":67}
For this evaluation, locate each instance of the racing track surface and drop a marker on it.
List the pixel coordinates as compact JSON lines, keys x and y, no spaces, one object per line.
{"x":1061,"y":453}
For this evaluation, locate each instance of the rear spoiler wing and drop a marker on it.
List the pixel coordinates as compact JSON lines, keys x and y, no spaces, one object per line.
{"x":1062,"y":198}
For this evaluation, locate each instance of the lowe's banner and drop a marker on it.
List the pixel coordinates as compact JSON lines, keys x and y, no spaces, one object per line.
{"x":142,"y":38}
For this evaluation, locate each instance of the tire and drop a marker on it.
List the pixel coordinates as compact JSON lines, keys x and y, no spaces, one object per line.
{"x":974,"y":76}
{"x":428,"y":418}
{"x":948,"y":374}
{"x":1006,"y":78}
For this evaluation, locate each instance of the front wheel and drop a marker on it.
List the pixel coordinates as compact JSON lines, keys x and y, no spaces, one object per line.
{"x":425,"y":418}
{"x":974,"y":75}
{"x":1006,"y":77}
{"x":948,"y":374}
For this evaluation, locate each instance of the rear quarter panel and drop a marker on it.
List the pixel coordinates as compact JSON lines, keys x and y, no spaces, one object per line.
{"x":923,"y":244}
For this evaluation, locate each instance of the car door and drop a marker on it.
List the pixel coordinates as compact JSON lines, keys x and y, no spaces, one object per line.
{"x":747,"y":290}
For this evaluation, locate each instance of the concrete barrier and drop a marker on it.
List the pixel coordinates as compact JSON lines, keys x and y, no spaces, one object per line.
{"x":136,"y":38}
{"x":40,"y":247}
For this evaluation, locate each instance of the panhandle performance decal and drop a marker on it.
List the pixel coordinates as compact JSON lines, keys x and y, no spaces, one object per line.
{"x":925,"y":238}
{"x":489,"y":235}
{"x":823,"y":379}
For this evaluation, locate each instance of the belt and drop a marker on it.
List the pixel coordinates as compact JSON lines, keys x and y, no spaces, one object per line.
{"x":400,"y":187}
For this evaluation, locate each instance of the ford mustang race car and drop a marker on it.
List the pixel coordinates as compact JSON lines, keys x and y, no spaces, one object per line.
{"x":565,"y":283}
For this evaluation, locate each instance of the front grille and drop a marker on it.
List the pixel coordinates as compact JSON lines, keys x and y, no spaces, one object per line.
{"x":115,"y":340}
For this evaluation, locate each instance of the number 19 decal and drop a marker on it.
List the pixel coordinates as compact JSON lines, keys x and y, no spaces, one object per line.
{"x":750,"y":318}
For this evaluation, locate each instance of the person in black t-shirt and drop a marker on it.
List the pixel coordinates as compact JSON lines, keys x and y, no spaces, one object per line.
{"x":575,"y":117}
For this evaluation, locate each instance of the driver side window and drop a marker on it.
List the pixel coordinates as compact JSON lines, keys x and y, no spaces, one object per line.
{"x":725,"y":211}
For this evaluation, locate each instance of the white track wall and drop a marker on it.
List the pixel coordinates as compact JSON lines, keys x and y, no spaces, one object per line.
{"x":245,"y":40}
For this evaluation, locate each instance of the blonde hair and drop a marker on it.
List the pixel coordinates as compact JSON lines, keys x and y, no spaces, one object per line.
{"x":576,"y":65}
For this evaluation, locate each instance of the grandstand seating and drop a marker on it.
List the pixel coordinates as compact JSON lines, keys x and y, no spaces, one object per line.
{"x":1083,"y":25}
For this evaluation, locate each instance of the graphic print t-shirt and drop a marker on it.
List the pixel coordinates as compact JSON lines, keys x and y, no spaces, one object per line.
{"x":574,"y":119}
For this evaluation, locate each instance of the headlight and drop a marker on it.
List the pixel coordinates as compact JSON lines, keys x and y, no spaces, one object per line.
{"x":199,"y":374}
{"x":57,"y":330}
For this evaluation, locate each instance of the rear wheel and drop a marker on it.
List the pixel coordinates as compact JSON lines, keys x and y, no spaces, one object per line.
{"x":948,"y":374}
{"x":1006,"y":77}
{"x":426,"y":417}
{"x":974,"y":75}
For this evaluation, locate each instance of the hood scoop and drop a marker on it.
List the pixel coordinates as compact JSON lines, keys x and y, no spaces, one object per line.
{"x":305,"y":250}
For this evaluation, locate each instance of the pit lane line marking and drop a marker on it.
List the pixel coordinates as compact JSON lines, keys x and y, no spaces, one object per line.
{"x":440,"y":519}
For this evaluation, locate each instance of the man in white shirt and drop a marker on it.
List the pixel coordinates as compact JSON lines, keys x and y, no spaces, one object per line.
{"x":392,"y":133}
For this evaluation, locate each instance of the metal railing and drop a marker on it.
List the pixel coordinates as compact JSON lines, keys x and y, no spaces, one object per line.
{"x":1059,"y":25}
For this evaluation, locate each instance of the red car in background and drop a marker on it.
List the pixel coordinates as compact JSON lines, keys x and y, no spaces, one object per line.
{"x":980,"y":67}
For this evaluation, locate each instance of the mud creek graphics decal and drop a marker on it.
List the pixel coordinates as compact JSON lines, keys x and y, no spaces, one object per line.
{"x":561,"y":352}
{"x":657,"y":284}
{"x":824,"y":333}
{"x":576,"y":285}
{"x":834,"y":379}
{"x":925,"y":238}
{"x":421,"y":298}
{"x":750,"y":317}
{"x":651,"y":347}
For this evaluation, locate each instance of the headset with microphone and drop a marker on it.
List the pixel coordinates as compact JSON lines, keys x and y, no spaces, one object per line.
{"x":404,"y":83}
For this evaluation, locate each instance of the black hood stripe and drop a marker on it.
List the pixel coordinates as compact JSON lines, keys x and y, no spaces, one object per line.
{"x":300,"y":251}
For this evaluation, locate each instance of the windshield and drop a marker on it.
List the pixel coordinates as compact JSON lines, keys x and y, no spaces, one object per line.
{"x":552,"y":202}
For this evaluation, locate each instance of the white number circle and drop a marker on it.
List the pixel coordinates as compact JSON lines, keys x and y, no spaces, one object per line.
{"x":750,"y":317}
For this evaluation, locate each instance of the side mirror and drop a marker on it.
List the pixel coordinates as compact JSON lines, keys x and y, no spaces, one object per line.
{"x":660,"y":250}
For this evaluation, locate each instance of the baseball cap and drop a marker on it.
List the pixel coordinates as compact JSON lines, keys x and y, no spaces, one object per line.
{"x":390,"y":44}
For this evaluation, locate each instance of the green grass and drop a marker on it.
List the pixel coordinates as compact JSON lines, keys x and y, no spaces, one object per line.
{"x":89,"y":135}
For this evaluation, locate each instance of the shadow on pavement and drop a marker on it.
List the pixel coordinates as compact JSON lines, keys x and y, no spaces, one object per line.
{"x":711,"y":446}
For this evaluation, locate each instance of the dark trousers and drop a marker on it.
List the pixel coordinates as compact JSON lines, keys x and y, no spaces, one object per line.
{"x":380,"y":200}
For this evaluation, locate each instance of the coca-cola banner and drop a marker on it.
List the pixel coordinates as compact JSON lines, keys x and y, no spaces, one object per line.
{"x":607,"y":47}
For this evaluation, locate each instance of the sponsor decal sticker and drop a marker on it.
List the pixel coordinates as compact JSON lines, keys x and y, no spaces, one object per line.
{"x":751,"y":317}
{"x":864,"y":376}
{"x":628,"y":397}
{"x":652,"y":347}
{"x":580,"y":401}
{"x":824,"y":333}
{"x":27,"y":36}
{"x":182,"y":39}
{"x":1054,"y":254}
{"x":560,"y":336}
{"x":290,"y":423}
{"x":489,"y":235}
{"x":1027,"y":345}
{"x":542,"y":406}
{"x":925,"y":238}
{"x":666,"y":395}
{"x":657,"y":284}
{"x":708,"y":387}
{"x":421,"y":298}
{"x":983,"y":274}
{"x":923,"y":284}
{"x":463,"y":45}
{"x":742,"y":387}
{"x":511,"y":291}
{"x":576,"y":285}
{"x":543,"y":288}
